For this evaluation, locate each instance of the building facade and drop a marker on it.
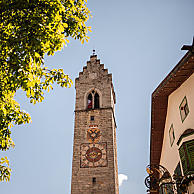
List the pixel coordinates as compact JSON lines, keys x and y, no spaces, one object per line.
{"x":94,"y":166}
{"x":172,"y":131}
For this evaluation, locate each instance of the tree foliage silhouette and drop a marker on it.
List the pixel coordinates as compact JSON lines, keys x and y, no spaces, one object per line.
{"x":29,"y":29}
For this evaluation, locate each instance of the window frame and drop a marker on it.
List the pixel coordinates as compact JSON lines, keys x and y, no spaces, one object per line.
{"x":96,"y":99}
{"x":183,"y":110}
{"x":173,"y":135}
{"x":186,"y":156}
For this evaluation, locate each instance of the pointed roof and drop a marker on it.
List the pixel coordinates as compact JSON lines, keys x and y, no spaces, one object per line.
{"x":94,"y":69}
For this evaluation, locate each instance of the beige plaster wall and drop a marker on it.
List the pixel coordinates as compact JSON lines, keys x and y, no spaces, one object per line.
{"x":170,"y":155}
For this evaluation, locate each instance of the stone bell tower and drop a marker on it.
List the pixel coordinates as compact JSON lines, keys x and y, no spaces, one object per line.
{"x":94,"y":168}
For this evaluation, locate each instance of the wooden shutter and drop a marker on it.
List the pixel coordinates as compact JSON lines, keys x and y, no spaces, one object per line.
{"x":186,"y":152}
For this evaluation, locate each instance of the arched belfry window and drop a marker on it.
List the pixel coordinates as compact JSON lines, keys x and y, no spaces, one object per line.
{"x":89,"y":101}
{"x":93,"y":100}
{"x":96,"y":100}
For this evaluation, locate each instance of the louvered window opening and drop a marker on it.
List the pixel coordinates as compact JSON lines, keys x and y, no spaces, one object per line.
{"x":186,"y":152}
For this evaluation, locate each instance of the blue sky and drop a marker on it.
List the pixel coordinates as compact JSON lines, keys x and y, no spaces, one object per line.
{"x":139,"y":42}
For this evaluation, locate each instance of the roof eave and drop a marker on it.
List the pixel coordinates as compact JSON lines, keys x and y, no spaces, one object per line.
{"x":180,"y":73}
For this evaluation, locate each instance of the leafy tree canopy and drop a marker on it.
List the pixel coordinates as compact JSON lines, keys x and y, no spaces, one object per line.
{"x":29,"y":29}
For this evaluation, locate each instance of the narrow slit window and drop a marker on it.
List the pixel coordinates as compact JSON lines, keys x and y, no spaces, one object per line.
{"x":96,"y":101}
{"x":90,"y":101}
{"x":92,"y":118}
{"x":94,"y":180}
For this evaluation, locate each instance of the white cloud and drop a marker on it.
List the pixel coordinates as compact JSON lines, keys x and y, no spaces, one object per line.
{"x":122,"y":177}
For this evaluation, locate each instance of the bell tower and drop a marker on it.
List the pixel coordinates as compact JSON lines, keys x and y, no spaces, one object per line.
{"x":94,"y":167}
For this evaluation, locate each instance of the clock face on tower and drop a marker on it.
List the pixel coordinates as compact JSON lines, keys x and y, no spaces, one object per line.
{"x":93,"y":155}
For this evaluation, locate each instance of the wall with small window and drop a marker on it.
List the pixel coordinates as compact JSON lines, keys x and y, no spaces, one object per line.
{"x":180,"y":114}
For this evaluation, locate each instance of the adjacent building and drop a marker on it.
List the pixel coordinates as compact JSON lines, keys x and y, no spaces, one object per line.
{"x":172,"y":128}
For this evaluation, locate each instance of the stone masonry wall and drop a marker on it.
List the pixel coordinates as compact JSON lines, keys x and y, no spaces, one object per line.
{"x":95,"y":77}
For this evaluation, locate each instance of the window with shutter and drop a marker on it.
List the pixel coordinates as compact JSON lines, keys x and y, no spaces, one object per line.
{"x":186,"y":152}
